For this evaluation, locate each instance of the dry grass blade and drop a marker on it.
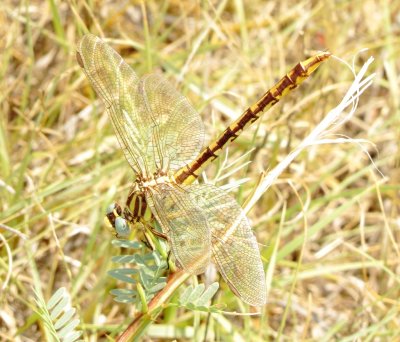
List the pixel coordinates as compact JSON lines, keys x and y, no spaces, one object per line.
{"x":325,"y":219}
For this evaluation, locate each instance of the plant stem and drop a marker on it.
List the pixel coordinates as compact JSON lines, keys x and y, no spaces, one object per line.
{"x":142,"y":320}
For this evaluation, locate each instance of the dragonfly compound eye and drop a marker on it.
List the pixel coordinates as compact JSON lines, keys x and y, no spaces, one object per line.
{"x":112,"y":207}
{"x":113,"y":211}
{"x":121,"y":227}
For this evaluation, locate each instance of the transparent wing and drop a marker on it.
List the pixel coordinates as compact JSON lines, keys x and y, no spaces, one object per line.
{"x":234,"y":247}
{"x":115,"y":82}
{"x":184,"y":223}
{"x":176,"y":131}
{"x":157,"y":127}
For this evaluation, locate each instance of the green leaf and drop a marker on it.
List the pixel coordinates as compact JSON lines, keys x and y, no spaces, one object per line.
{"x":157,"y":259}
{"x":185,"y":295}
{"x":72,"y":336}
{"x":56,"y":297}
{"x":125,"y":295}
{"x":123,"y":274}
{"x":208,"y":294}
{"x":68,"y":328}
{"x":198,"y":290}
{"x":62,"y":328}
{"x":124,"y":259}
{"x":145,"y":278}
{"x":62,"y":304}
{"x":64,"y":318}
{"x":123,"y":292}
{"x":126,"y":299}
{"x":146,"y":274}
{"x":157,"y":287}
{"x":139,"y":259}
{"x":198,"y":297}
{"x":127,"y":243}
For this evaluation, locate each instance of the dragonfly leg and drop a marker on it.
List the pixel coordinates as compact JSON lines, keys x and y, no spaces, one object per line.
{"x":128,"y":215}
{"x":168,"y":260}
{"x":158,"y":234}
{"x":147,"y":242}
{"x":155,"y":231}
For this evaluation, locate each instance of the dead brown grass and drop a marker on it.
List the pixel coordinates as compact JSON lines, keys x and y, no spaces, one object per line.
{"x":60,"y":165}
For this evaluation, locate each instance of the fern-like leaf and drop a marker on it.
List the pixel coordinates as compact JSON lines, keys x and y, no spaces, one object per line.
{"x":145,"y":269}
{"x":197,"y":298}
{"x":57,"y":315}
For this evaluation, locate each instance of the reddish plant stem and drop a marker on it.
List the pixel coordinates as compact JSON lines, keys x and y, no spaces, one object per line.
{"x":143,"y":319}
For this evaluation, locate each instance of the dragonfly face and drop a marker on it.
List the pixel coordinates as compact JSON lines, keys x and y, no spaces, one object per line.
{"x":136,"y":209}
{"x":116,"y":221}
{"x":160,"y":133}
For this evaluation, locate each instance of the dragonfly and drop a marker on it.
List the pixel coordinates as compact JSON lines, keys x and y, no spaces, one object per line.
{"x":161,"y":135}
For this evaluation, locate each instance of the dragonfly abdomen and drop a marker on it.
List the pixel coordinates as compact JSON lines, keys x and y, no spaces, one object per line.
{"x":291,"y":80}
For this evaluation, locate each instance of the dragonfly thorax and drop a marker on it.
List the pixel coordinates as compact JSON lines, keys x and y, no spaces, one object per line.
{"x":143,"y":184}
{"x":136,"y":205}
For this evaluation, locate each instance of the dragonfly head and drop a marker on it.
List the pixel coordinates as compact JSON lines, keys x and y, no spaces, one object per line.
{"x":114,"y":219}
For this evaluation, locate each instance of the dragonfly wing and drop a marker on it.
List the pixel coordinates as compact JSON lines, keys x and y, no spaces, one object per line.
{"x":234,"y":247}
{"x":176,"y":130}
{"x":185,"y":225}
{"x":115,"y":83}
{"x":156,"y":126}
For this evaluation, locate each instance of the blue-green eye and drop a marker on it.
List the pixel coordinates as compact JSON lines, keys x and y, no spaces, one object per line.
{"x":110,"y":208}
{"x":121,"y":227}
